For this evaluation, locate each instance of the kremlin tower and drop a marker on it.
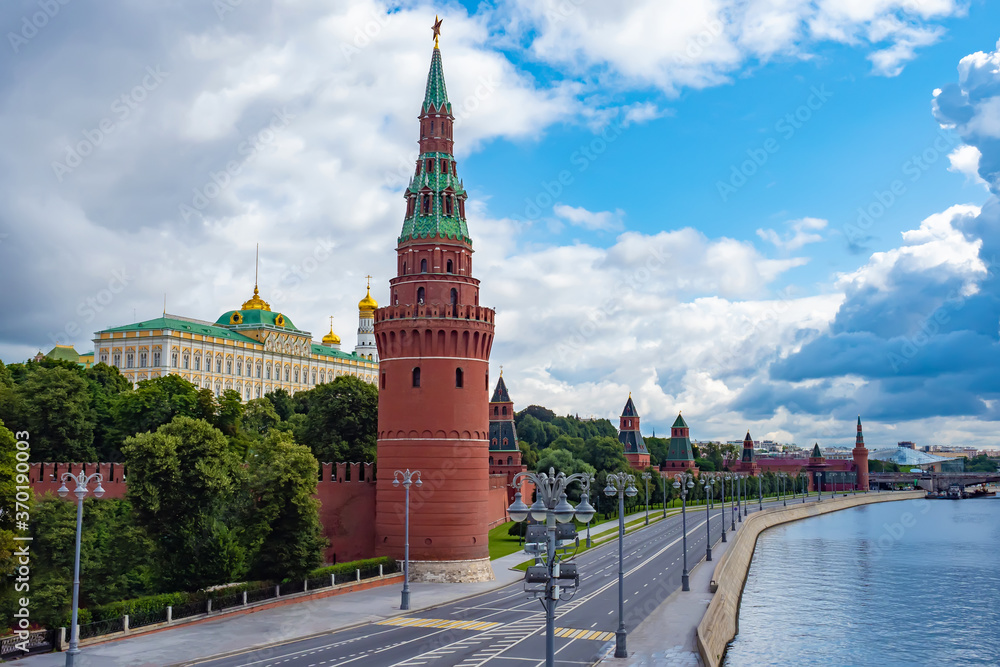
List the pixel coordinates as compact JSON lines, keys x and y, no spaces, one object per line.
{"x":628,"y":434}
{"x":505,"y":453}
{"x":860,"y":454}
{"x":366,"y":326}
{"x":680,"y":455}
{"x":434,"y":343}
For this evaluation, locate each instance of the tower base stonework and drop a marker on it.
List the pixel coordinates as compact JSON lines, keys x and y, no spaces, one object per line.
{"x":451,"y":571}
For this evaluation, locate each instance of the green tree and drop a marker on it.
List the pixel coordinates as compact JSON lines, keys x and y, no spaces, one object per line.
{"x":283,"y":478}
{"x":605,"y":453}
{"x":529,"y":455}
{"x":230,"y":412}
{"x":156,"y":402}
{"x":106,"y":383}
{"x":5,"y":379}
{"x":342,"y":420}
{"x":184,"y":483}
{"x":562,"y":461}
{"x":259,"y":417}
{"x":283,"y":403}
{"x":57,"y":413}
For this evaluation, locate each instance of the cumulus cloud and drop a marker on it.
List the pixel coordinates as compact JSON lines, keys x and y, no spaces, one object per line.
{"x":965,"y":160}
{"x":802,"y":232}
{"x":599,"y":220}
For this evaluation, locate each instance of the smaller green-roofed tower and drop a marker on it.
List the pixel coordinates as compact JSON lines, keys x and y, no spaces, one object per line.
{"x":680,"y":456}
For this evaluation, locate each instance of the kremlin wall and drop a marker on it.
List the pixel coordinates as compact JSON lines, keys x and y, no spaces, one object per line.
{"x":435,"y":410}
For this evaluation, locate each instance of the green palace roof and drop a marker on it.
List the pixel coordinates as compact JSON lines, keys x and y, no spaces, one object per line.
{"x":64,"y":353}
{"x":182,"y":325}
{"x":256,"y":317}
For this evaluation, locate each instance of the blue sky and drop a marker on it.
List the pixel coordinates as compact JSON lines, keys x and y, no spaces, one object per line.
{"x":764,"y":305}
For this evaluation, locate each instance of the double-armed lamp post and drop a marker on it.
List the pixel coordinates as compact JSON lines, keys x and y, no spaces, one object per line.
{"x":407,"y":479}
{"x":621,"y":484}
{"x":82,"y":482}
{"x":685,"y":482}
{"x":708,"y":484}
{"x":646,"y":477}
{"x":558,"y":579}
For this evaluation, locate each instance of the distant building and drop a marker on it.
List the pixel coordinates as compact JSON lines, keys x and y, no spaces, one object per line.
{"x":628,"y":434}
{"x":67,"y":353}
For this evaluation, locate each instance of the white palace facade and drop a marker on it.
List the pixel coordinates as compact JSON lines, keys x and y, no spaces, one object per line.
{"x":252,"y":351}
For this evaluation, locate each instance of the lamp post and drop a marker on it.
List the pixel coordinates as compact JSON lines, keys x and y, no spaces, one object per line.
{"x":760,"y":496}
{"x":82,"y":481}
{"x":664,"y":480}
{"x":407,"y":479}
{"x":746,"y":493}
{"x":783,"y":476}
{"x":646,"y":477}
{"x":551,"y":506}
{"x":621,"y":484}
{"x":684,"y":481}
{"x":708,"y":483}
{"x":819,"y":487}
{"x":732,"y":500}
{"x":739,"y":497}
{"x":722,"y":505}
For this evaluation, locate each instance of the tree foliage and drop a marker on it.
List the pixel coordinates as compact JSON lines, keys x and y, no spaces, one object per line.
{"x":341,"y":420}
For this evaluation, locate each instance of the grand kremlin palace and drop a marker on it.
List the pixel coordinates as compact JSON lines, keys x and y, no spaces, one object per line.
{"x":252,"y":350}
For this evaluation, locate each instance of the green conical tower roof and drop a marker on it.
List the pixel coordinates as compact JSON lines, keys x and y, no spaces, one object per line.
{"x":436,"y":94}
{"x":436,"y":196}
{"x":816,"y":453}
{"x":679,"y":422}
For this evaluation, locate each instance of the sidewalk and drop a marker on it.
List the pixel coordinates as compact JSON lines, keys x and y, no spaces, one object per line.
{"x":185,"y":643}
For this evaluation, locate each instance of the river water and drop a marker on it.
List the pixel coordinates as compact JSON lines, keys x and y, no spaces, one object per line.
{"x":913,"y":582}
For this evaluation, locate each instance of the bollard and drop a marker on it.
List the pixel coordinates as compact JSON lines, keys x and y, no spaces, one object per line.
{"x":125,"y":624}
{"x":244,"y":598}
{"x":277,"y":591}
{"x":358,"y":575}
{"x":62,"y":638}
{"x":380,"y":569}
{"x":209,"y":607}
{"x":333,"y":580}
{"x":305,"y":586}
{"x":170,"y":613}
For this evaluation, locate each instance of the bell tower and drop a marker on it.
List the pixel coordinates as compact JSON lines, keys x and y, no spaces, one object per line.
{"x":434,"y":343}
{"x":860,"y":454}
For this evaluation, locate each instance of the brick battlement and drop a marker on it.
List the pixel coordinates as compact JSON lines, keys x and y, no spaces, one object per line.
{"x":435,"y":311}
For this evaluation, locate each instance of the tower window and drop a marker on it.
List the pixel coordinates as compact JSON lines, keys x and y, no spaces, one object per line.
{"x":423,"y":264}
{"x":454,"y":169}
{"x":444,"y":166}
{"x":383,"y":380}
{"x":459,"y":378}
{"x":451,"y":267}
{"x":416,"y":376}
{"x":496,"y":410}
{"x":429,"y":166}
{"x":404,"y":268}
{"x":446,"y":204}
{"x":432,"y":128}
{"x":505,"y":411}
{"x":420,"y":295}
{"x":427,"y":205}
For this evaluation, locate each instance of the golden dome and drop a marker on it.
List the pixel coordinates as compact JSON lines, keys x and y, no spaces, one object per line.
{"x":331,"y":338}
{"x":255,"y":302}
{"x":368,"y":304}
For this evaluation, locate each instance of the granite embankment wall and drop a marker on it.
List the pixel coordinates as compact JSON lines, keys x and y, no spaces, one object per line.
{"x":720,"y":624}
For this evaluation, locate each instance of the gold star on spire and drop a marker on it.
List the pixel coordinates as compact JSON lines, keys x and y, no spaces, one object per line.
{"x":437,"y":30}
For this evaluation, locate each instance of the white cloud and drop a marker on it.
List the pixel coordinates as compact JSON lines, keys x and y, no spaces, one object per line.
{"x":601,"y":220}
{"x":965,"y":160}
{"x":803,"y":232}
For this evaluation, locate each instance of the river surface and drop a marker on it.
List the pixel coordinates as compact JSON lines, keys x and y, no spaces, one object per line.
{"x":913,"y":582}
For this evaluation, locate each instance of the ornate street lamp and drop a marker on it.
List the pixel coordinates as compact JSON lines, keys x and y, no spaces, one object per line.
{"x":684,"y":481}
{"x":407,"y":479}
{"x":732,"y":499}
{"x":783,"y":476}
{"x":663,"y":479}
{"x":82,"y":482}
{"x":621,"y":484}
{"x":551,"y":507}
{"x":739,"y":497}
{"x":708,"y":484}
{"x":760,"y":496}
{"x":646,"y":477}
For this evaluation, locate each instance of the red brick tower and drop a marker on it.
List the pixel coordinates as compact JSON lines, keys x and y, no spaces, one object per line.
{"x":434,"y":343}
{"x":748,"y":463}
{"x":505,"y":453}
{"x":636,"y":452}
{"x":860,"y":453}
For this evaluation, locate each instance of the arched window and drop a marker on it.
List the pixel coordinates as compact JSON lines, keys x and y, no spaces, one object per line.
{"x":416,"y":376}
{"x":197,"y":362}
{"x":142,"y":360}
{"x":258,"y":391}
{"x":446,"y":204}
{"x":267,"y":372}
{"x":116,"y":360}
{"x":404,"y":268}
{"x":239,"y":367}
{"x":423,"y":266}
{"x":496,"y":410}
{"x":494,"y":442}
{"x":129,"y":360}
{"x":218,"y":364}
{"x":314,"y":376}
{"x":420,"y":294}
{"x":229,"y":366}
{"x":460,"y":378}
{"x":491,"y":460}
{"x":287,"y":373}
{"x":383,"y":380}
{"x":187,"y":361}
{"x":505,"y":411}
{"x":505,"y":442}
{"x":426,"y":208}
{"x":258,"y":370}
{"x":296,"y":374}
{"x":451,"y":266}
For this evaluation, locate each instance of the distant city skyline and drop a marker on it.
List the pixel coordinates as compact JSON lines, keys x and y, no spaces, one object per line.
{"x":766,"y":217}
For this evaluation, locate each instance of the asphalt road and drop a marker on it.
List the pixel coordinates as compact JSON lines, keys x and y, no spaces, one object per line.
{"x":506,"y":627}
